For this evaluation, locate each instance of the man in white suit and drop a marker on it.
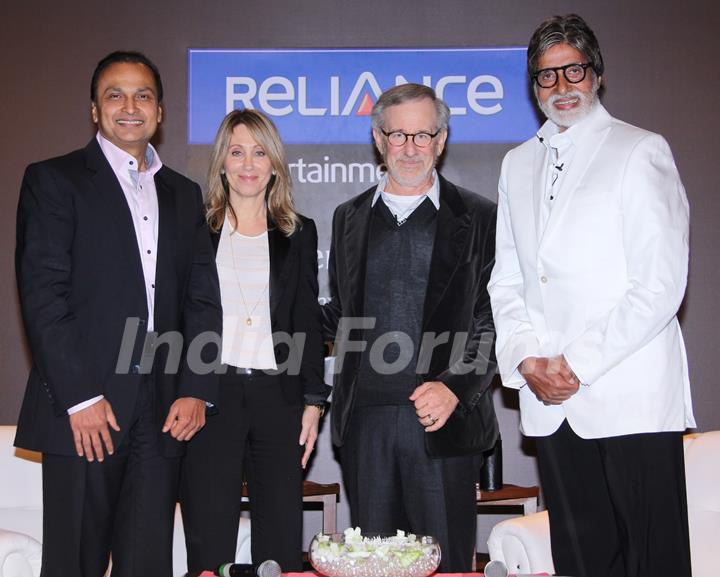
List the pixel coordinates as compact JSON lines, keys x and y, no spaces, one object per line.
{"x":591,"y":268}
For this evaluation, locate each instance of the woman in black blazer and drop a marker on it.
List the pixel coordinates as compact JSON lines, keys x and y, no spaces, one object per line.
{"x":272,"y":392}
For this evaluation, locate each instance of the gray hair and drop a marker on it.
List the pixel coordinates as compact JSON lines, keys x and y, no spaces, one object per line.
{"x":569,"y":29}
{"x":408,"y":93}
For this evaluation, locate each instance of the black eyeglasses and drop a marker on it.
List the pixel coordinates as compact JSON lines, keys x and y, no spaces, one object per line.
{"x":421,"y":139}
{"x":574,"y":73}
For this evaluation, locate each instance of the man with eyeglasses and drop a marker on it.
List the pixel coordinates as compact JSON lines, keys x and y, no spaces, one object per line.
{"x":410,"y":315}
{"x":591,"y":267}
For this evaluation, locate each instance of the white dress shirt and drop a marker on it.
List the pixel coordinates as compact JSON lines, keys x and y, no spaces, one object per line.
{"x":141,"y":196}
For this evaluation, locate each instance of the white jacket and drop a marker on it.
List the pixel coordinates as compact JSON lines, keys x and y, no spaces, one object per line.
{"x":601,"y":283}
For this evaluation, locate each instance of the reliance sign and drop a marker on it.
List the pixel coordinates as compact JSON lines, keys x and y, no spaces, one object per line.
{"x":325,"y":96}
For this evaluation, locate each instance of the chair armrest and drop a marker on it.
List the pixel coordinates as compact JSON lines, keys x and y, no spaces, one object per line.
{"x":523,"y":544}
{"x":20,"y":555}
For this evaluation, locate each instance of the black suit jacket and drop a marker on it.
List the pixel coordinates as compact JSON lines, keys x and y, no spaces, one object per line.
{"x":80,"y":281}
{"x":456,"y":302}
{"x":295,"y":312}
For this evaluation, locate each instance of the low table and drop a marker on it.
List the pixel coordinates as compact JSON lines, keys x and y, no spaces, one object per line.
{"x":313,"y":492}
{"x":509,"y":496}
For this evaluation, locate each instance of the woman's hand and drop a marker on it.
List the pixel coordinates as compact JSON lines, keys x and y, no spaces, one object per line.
{"x":309,"y":432}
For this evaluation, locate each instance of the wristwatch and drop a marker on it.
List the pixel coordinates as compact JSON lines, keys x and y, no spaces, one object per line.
{"x":320,"y":406}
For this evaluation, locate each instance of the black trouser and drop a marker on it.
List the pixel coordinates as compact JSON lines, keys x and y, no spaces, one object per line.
{"x":392,"y":483}
{"x":617,"y":505}
{"x":125,"y":504}
{"x":255,"y":428}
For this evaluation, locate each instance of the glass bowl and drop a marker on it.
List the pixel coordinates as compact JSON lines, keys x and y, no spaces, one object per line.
{"x":354,"y":555}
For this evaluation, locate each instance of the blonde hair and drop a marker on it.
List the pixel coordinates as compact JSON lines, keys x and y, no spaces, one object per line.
{"x":278,"y":197}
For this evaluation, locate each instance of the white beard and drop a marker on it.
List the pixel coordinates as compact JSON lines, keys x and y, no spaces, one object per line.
{"x":409,"y":180}
{"x":567,"y":118}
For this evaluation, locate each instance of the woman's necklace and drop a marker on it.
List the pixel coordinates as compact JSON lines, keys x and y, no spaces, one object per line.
{"x":248,"y":312}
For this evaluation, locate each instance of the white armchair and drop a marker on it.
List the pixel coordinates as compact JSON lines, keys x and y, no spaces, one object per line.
{"x":21,"y":515}
{"x":20,"y":509}
{"x":20,"y":555}
{"x":523,"y":543}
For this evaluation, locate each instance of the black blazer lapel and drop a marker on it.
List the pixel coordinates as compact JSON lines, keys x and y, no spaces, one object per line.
{"x":118,"y":216}
{"x":451,"y":236}
{"x":167,"y":227}
{"x":279,"y":246}
{"x":357,"y":228}
{"x":215,"y":240}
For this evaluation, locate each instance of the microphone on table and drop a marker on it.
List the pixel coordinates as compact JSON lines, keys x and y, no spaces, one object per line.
{"x":267,"y":568}
{"x":499,"y":569}
{"x":495,"y":569}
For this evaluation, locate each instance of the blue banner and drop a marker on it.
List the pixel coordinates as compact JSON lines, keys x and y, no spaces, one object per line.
{"x":325,"y":96}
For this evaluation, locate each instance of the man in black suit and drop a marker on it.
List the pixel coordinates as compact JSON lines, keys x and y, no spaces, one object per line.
{"x":112,"y":246}
{"x":410,"y":313}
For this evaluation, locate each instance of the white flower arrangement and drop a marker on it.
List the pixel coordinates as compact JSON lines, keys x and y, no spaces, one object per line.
{"x":353,"y":555}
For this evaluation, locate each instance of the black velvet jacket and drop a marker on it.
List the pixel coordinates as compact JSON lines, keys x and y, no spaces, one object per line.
{"x":456,"y":301}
